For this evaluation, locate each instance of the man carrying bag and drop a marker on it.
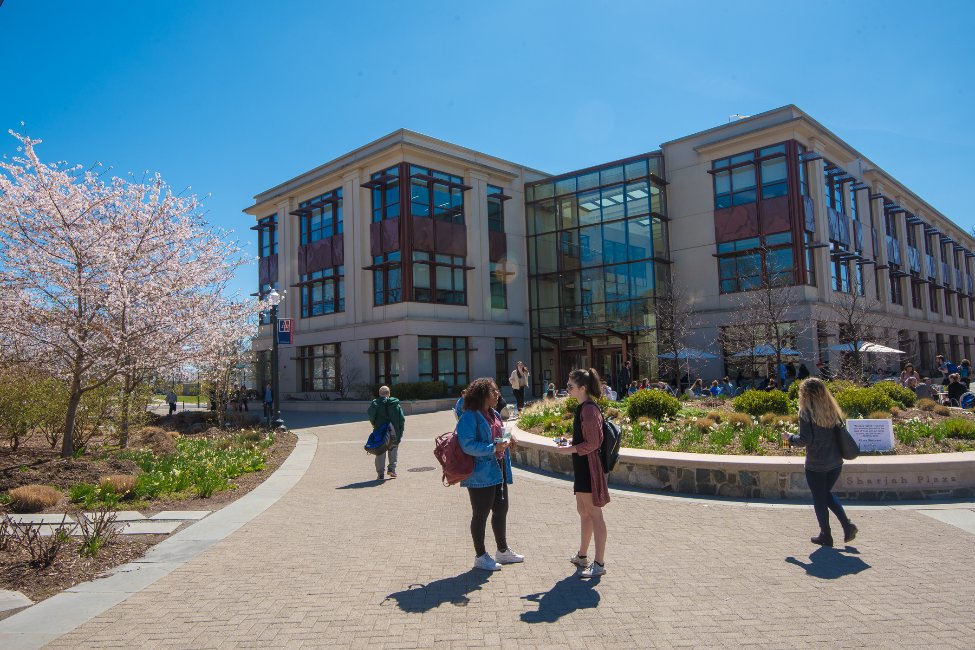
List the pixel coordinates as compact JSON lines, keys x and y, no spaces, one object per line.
{"x":385,"y":409}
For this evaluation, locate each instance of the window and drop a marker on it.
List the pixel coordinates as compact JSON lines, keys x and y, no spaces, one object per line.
{"x":896,"y":295}
{"x":947,"y":304}
{"x":835,"y":194}
{"x":387,"y":279}
{"x":893,"y":244}
{"x":319,"y":367}
{"x":841,"y":275}
{"x":915,"y":295}
{"x":436,"y":194}
{"x":933,"y":297}
{"x":501,"y":365}
{"x":743,"y":264}
{"x":803,"y":174}
{"x":439,"y":278}
{"x":267,"y":236}
{"x":499,"y":286}
{"x":738,"y":178}
{"x":443,"y":358}
{"x":324,"y":220}
{"x":323,"y":292}
{"x":385,"y":197}
{"x":810,"y":260}
{"x":495,"y":209}
{"x":385,"y":360}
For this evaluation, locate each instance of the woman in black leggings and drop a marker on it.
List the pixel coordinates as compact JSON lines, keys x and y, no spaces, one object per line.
{"x":819,"y":418}
{"x":480,"y":433}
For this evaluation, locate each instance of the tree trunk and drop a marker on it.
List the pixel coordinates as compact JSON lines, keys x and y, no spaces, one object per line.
{"x":67,"y":442}
{"x":123,"y":439}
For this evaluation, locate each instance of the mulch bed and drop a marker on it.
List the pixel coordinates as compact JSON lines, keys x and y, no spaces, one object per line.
{"x":36,"y":462}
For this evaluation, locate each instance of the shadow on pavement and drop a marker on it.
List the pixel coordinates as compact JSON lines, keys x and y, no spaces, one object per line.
{"x":568,"y":595}
{"x":361,"y":484}
{"x":830,"y":563}
{"x":422,"y":598}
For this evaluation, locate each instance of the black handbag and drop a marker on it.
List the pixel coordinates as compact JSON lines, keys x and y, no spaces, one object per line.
{"x":849,"y":449}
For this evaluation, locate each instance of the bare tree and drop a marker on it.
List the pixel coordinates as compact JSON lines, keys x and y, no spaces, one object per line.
{"x":676,"y":321}
{"x":860,"y":319}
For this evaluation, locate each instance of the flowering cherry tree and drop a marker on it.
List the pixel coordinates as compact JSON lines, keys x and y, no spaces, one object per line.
{"x":103,"y":279}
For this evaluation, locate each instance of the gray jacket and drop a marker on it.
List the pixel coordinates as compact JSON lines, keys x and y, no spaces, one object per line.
{"x":822,"y":448}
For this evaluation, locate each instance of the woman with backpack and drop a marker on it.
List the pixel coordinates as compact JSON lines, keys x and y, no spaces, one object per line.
{"x":591,"y":487}
{"x":820,"y":419}
{"x":480,"y":433}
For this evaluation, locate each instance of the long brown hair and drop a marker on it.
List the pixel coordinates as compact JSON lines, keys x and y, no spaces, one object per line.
{"x":818,"y":405}
{"x":589,"y":379}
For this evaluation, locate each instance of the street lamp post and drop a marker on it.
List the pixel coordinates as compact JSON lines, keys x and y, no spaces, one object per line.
{"x":274,"y":299}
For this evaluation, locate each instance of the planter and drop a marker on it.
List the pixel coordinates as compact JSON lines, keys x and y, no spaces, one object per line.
{"x":874,"y":478}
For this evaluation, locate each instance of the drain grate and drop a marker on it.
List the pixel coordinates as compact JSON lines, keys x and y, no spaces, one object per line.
{"x":421,"y":469}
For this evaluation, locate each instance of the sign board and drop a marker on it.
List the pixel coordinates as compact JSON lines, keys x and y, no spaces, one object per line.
{"x":872,"y":435}
{"x":286,"y":334}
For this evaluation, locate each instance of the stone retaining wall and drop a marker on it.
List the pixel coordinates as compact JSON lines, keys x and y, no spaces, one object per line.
{"x":875,"y":478}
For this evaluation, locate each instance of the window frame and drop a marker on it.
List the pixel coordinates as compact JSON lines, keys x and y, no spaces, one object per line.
{"x":307,"y":355}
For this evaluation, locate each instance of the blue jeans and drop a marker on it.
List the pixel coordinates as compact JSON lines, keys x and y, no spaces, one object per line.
{"x":821,"y":484}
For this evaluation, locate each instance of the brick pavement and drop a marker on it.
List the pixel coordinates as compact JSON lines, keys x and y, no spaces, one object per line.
{"x":343,"y":561}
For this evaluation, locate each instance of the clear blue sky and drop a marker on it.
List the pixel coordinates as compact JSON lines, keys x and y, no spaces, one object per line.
{"x":233,"y":97}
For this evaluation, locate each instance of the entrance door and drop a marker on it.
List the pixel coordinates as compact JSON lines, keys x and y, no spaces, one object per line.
{"x":571,"y":359}
{"x":608,"y":364}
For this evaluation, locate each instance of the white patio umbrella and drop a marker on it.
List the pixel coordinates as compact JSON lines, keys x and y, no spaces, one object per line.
{"x":766,"y":350}
{"x":864,"y":347}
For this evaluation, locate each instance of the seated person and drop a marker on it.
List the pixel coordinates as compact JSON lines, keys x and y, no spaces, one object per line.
{"x":715,"y":389}
{"x":632,"y":389}
{"x":771,"y":385}
{"x":925,"y":390}
{"x":550,"y":391}
{"x":697,"y":389}
{"x":955,"y":389}
{"x":727,"y":388}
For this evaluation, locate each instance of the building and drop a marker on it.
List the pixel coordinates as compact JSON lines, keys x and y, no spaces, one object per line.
{"x":413,"y":259}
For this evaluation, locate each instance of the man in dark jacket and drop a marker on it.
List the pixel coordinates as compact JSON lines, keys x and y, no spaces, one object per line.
{"x":382,"y":410}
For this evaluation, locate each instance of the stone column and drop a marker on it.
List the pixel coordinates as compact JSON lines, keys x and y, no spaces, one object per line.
{"x":478,"y":255}
{"x":356,"y":215}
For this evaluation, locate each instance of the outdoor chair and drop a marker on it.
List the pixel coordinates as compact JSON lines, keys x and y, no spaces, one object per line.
{"x":967,"y":400}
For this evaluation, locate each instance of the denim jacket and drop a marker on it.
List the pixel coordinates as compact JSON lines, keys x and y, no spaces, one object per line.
{"x":474,"y":436}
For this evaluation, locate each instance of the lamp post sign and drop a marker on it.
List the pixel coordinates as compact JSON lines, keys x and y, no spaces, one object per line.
{"x":285,"y":331}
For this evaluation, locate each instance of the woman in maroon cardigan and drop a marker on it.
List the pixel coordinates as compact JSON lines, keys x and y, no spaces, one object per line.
{"x":590,"y":487}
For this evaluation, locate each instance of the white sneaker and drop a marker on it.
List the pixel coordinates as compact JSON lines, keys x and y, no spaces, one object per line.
{"x":509,"y":557}
{"x":580,"y":562}
{"x":487,"y":563}
{"x":592,"y":571}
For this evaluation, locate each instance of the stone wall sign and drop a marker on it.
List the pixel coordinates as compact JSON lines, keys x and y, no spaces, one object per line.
{"x":872,"y":435}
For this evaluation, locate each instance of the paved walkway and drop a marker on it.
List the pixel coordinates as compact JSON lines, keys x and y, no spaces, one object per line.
{"x":342,"y":560}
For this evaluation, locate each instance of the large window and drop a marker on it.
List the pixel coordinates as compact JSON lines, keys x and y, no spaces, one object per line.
{"x":385,"y":195}
{"x":387,"y":279}
{"x":443,"y":358}
{"x":323,"y":292}
{"x":896,"y":292}
{"x":439,"y":278}
{"x":324,"y":219}
{"x":745,"y":264}
{"x":267,"y":236}
{"x":933,"y":297}
{"x":436,"y":194}
{"x":499,"y":286}
{"x":319,"y":367}
{"x":502,"y":352}
{"x":835,"y":192}
{"x":495,"y":208}
{"x":385,"y":360}
{"x":739,"y":179}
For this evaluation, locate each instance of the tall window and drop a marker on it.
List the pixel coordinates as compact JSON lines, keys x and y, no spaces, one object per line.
{"x":896,"y":294}
{"x":803,"y":174}
{"x":385,"y":197}
{"x":810,"y":259}
{"x":439,"y":278}
{"x":841,"y":275}
{"x":267,"y":236}
{"x":385,"y":360}
{"x":443,"y":358}
{"x":499,"y":286}
{"x":323,"y":292}
{"x":933,"y":297}
{"x":387,"y":279}
{"x":915,"y":295}
{"x":739,"y":179}
{"x":835,"y":194}
{"x":436,"y":194}
{"x":746,"y":263}
{"x":325,"y":218}
{"x":495,"y":208}
{"x":501,"y":361}
{"x":319,"y":367}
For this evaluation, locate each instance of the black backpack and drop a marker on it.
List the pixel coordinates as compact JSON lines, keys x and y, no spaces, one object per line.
{"x":609,"y":451}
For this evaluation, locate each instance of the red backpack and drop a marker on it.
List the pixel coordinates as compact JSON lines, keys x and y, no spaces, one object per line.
{"x":455,"y":463}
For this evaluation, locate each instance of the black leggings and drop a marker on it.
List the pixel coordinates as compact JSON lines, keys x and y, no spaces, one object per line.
{"x":493,"y":499}
{"x":821,"y":485}
{"x":519,"y":397}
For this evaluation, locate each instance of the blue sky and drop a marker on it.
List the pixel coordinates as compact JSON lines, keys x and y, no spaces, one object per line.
{"x":233,"y":97}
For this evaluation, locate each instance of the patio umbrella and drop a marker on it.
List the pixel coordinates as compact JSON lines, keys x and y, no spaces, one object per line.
{"x":864,"y":347}
{"x":766,"y":350}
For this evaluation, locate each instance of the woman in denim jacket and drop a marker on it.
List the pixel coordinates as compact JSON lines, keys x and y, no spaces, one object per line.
{"x":478,"y":429}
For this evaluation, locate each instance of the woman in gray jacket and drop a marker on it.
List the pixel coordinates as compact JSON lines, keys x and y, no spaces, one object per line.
{"x":820,"y":418}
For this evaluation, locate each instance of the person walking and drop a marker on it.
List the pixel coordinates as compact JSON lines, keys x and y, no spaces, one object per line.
{"x":626,"y":376}
{"x":268,"y":402}
{"x":480,"y":433}
{"x":243,"y":397}
{"x":590,"y":485}
{"x":382,"y":410}
{"x":171,"y":400}
{"x":820,"y":418}
{"x":519,"y":382}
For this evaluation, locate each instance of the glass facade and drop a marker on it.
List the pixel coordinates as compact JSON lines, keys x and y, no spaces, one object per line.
{"x":385,"y":360}
{"x":597,"y":255}
{"x":443,"y":358}
{"x":319,"y":366}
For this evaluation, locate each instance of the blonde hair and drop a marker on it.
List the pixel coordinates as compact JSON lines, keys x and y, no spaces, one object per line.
{"x":818,"y":405}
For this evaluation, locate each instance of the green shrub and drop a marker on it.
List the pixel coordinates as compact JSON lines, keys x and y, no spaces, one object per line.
{"x":759,"y":402}
{"x":958,"y":428}
{"x":794,"y":389}
{"x":837,"y":386}
{"x":653,"y":404}
{"x":926,"y":404}
{"x":570,"y":404}
{"x":904,"y":397}
{"x":858,"y":402}
{"x":751,"y":440}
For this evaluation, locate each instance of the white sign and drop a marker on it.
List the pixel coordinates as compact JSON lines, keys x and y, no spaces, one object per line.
{"x":872,"y":435}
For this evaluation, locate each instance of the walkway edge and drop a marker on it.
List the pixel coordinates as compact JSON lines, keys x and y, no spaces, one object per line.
{"x":60,"y":614}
